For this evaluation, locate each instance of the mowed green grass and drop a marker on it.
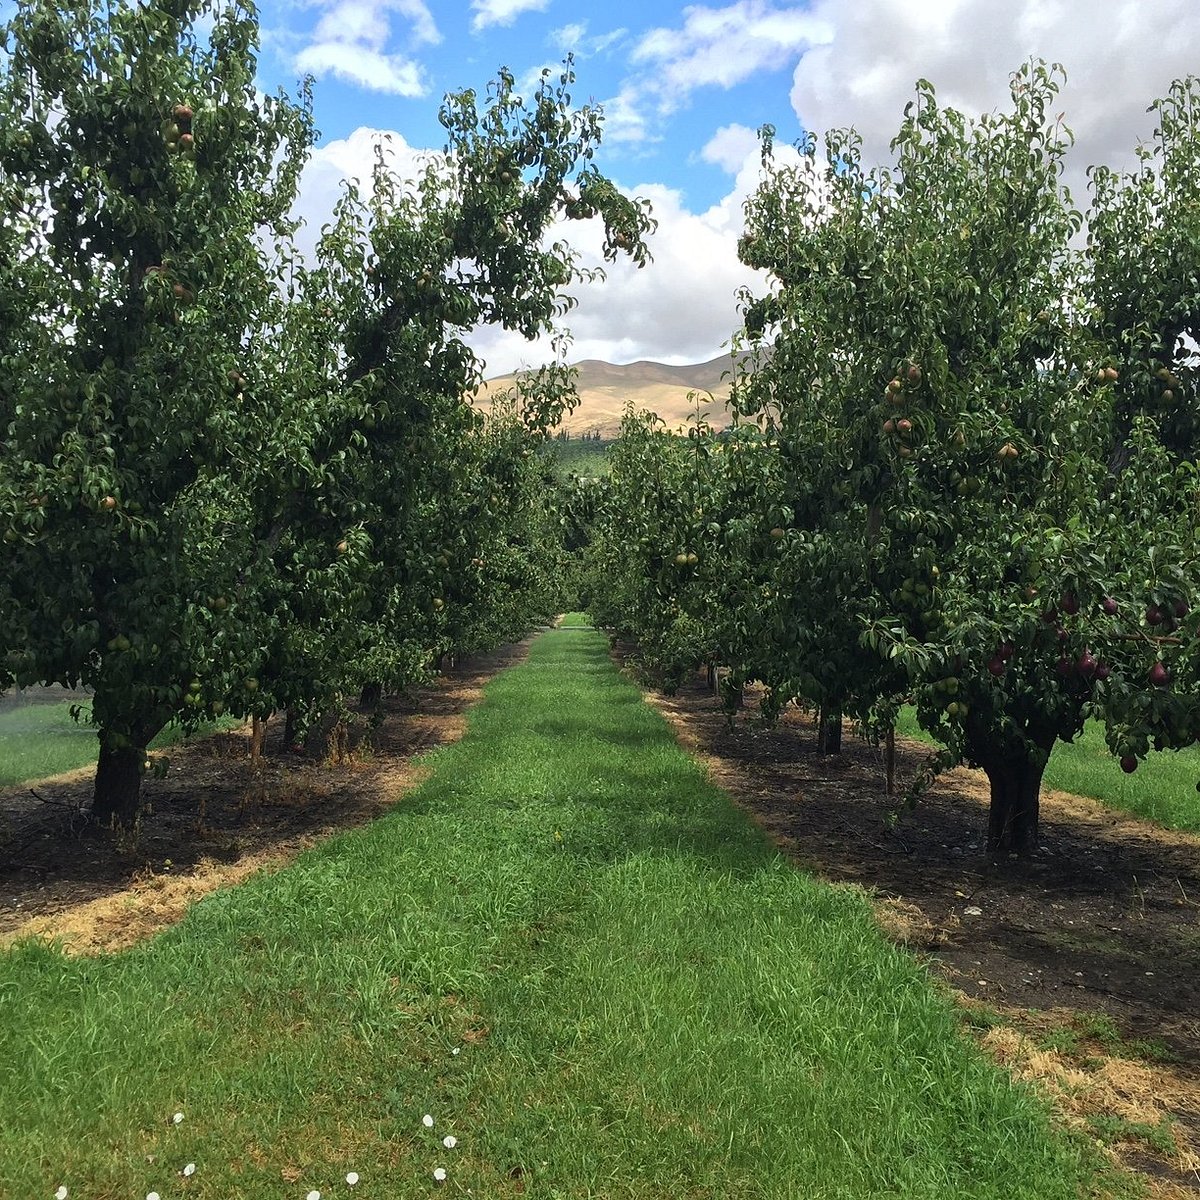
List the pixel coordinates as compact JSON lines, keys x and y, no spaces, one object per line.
{"x":1162,"y":789}
{"x":570,"y":951}
{"x":38,"y":740}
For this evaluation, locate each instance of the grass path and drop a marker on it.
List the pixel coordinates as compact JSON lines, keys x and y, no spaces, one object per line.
{"x":568,"y":949}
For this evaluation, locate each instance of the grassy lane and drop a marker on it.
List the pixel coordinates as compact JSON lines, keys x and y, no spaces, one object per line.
{"x":570,"y":951}
{"x":1162,"y":789}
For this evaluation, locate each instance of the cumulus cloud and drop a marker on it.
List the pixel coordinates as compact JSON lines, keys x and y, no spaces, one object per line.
{"x":1117,"y":60}
{"x":502,"y":12}
{"x":351,"y":41}
{"x":681,"y":308}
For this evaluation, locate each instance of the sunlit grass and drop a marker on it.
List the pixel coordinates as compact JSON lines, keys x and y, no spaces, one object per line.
{"x":573,"y":620}
{"x":38,"y":740}
{"x":565,"y":966}
{"x":1162,"y":789}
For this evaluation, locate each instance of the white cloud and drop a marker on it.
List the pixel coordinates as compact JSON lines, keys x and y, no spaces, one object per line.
{"x":351,"y":42}
{"x":569,"y":37}
{"x":1118,"y":57}
{"x":502,"y":12}
{"x":364,"y":66}
{"x":574,"y":39}
{"x":722,"y":47}
{"x":681,"y":308}
{"x":729,"y":147}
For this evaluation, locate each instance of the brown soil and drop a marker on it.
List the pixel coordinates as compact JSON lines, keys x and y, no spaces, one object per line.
{"x":1080,"y":969}
{"x":214,"y":819}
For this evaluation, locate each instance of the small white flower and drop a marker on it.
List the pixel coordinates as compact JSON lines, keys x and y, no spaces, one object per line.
{"x":190,"y":1169}
{"x":178,"y":1118}
{"x":456,"y":1050}
{"x":439,"y":1173}
{"x":449,"y":1141}
{"x":351,"y":1177}
{"x":61,"y":1194}
{"x":427,"y":1121}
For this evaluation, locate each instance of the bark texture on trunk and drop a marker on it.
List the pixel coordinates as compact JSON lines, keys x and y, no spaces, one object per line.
{"x":371,"y":696}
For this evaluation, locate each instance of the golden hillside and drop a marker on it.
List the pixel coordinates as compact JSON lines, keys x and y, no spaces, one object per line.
{"x":605,"y":388}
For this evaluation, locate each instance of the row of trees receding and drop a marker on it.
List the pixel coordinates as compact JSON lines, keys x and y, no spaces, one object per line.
{"x":962,"y":469}
{"x":232,"y":481}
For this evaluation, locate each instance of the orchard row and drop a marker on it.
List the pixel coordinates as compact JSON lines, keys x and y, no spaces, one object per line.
{"x":963,"y":468}
{"x":233,"y":481}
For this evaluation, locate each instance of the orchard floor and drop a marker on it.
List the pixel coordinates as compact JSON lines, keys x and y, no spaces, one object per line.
{"x":213,"y":820}
{"x":1080,"y":968}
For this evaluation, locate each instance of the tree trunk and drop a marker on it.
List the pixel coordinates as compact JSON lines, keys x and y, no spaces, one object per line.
{"x":890,"y":760}
{"x":327,"y":737}
{"x":829,"y":731}
{"x":291,"y":728}
{"x":1016,"y":784}
{"x":371,"y":696}
{"x":712,"y":676}
{"x":117,"y":798}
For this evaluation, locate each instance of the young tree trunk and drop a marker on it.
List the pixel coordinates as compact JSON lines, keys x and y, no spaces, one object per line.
{"x":117,"y":794}
{"x":1016,"y":784}
{"x":117,"y":797}
{"x":829,"y":731}
{"x":371,"y":696}
{"x":291,"y":728}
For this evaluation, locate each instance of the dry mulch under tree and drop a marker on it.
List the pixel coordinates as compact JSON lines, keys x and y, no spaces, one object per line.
{"x":1079,"y":969}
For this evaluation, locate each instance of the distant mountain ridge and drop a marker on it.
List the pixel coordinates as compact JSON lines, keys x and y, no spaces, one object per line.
{"x":605,"y":388}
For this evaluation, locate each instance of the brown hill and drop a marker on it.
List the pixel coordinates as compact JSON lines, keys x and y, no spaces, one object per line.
{"x":605,"y":389}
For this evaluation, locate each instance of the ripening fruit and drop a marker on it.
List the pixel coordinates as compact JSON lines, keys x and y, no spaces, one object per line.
{"x":1069,"y":603}
{"x":889,"y":426}
{"x":1155,"y":615}
{"x":777,"y":533}
{"x":1181,"y":609}
{"x":342,"y":546}
{"x":681,"y":559}
{"x":1109,"y":605}
{"x":1129,"y":764}
{"x":438,"y":604}
{"x":894,"y":385}
{"x":251,"y":684}
{"x":914,"y":373}
{"x":1111,"y":374}
{"x":693,"y":558}
{"x":109,"y":502}
{"x":1158,"y":676}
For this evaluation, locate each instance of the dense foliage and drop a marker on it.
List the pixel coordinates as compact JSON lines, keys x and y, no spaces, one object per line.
{"x":231,"y":481}
{"x":963,"y":470}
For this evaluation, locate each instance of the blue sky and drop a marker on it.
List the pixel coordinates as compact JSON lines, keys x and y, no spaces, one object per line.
{"x":388,"y":65}
{"x":684,"y":87}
